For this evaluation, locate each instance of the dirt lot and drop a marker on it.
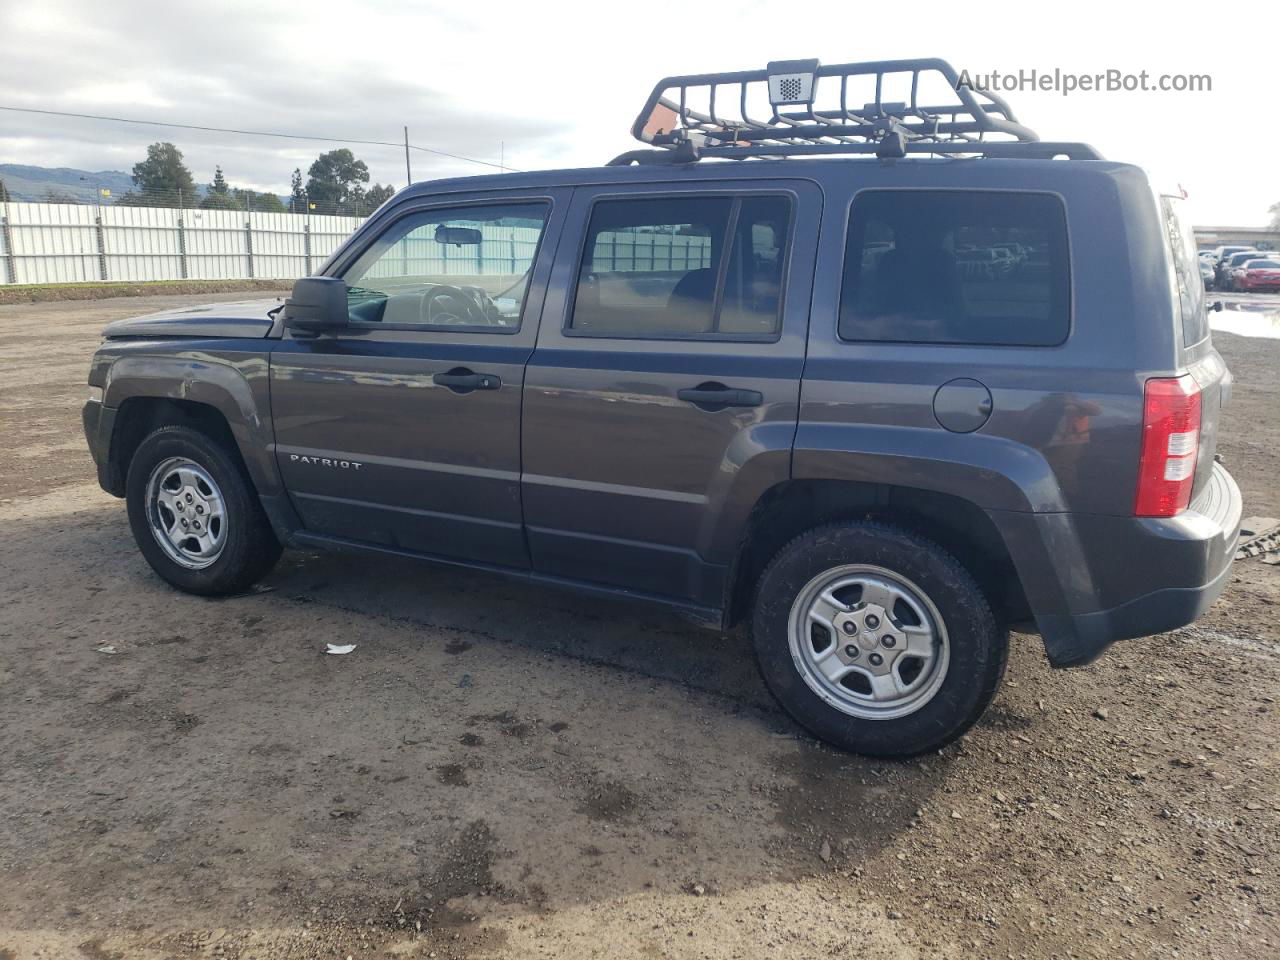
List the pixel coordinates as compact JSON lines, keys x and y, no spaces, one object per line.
{"x":499,"y":771}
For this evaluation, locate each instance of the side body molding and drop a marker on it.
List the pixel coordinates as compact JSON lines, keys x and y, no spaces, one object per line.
{"x":992,"y":472}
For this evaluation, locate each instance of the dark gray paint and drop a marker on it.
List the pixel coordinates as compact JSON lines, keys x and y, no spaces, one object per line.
{"x":626,"y":484}
{"x":585,"y":467}
{"x":246,"y":318}
{"x":439,"y":470}
{"x":962,"y":405}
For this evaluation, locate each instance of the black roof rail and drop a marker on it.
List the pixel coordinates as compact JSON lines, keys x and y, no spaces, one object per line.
{"x":780,"y":111}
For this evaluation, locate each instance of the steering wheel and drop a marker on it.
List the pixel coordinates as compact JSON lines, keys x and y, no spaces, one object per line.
{"x":455,"y":306}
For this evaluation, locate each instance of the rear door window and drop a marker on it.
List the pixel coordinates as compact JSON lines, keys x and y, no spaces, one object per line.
{"x":683,"y":267}
{"x":952,"y":266}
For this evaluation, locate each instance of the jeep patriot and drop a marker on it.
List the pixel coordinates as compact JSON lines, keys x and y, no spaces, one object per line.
{"x":894,"y":381}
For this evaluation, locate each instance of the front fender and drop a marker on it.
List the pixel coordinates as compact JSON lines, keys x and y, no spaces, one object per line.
{"x":225,"y":376}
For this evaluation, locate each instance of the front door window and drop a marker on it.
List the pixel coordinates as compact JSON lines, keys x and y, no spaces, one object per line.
{"x":448,"y":269}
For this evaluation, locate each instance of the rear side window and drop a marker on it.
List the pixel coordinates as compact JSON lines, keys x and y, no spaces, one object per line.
{"x":950,"y":266}
{"x":692,"y":267}
{"x":1188,"y":287}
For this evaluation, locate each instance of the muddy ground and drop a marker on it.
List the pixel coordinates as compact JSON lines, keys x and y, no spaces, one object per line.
{"x":500,"y":771}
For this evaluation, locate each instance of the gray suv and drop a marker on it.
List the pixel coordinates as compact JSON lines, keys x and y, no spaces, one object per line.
{"x":878,"y":409}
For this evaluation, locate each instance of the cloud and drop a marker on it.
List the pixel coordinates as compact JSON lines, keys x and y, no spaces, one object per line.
{"x":559,"y":81}
{"x":252,"y":68}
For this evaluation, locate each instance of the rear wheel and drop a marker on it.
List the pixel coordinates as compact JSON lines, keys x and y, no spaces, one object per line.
{"x":195,"y":516}
{"x":876,"y":640}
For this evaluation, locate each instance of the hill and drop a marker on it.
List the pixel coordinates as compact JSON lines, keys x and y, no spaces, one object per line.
{"x":26,"y":182}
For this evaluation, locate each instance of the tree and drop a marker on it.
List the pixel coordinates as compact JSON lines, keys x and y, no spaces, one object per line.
{"x":218,"y":195}
{"x":335,"y":180}
{"x":256,"y":201}
{"x":297,"y":196}
{"x":161,"y":179}
{"x":377,"y":195}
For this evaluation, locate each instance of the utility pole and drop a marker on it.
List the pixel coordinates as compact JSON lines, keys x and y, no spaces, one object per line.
{"x":408,"y":173}
{"x":306,"y":229}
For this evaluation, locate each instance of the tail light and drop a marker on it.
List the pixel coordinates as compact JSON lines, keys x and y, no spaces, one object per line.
{"x":1170,"y":442}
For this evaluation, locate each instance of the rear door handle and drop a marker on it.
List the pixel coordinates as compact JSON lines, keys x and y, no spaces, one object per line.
{"x":716,"y":396}
{"x":462,"y":380}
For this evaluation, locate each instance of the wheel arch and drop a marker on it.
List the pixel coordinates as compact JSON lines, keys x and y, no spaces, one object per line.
{"x":959,"y":526}
{"x":139,"y":416}
{"x":226,"y":399}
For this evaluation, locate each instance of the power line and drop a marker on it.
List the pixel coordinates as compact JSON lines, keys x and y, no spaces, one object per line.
{"x":254,"y":133}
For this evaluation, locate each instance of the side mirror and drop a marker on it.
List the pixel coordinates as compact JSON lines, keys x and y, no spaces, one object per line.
{"x":317,"y":304}
{"x":1217,"y":306}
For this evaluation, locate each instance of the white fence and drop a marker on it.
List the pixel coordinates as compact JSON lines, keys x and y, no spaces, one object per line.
{"x":503,"y":250}
{"x":74,"y":243}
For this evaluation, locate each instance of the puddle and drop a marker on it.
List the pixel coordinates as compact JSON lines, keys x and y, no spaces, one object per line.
{"x":1248,"y":319}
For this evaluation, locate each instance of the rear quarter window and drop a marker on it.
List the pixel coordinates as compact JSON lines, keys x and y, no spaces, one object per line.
{"x":1188,"y":287}
{"x":956,"y":266}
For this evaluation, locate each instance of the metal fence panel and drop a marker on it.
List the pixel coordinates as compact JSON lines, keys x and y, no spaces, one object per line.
{"x":79,"y":243}
{"x":216,"y":247}
{"x":141,"y":243}
{"x":279,"y":249}
{"x":327,"y":234}
{"x":52,"y":243}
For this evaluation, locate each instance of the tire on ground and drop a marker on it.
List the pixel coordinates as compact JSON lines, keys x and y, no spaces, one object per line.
{"x":978,"y":648}
{"x":250,"y":549}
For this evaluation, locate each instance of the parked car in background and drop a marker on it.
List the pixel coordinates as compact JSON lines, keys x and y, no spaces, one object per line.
{"x":1261,"y":274}
{"x":1218,"y":253}
{"x":1206,"y":273}
{"x":1223,"y":277}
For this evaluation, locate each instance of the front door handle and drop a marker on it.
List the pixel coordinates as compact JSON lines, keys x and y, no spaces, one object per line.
{"x":462,"y":380}
{"x":716,"y":396}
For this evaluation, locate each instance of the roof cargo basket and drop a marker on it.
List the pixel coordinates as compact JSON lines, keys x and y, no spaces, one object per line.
{"x":800,"y":108}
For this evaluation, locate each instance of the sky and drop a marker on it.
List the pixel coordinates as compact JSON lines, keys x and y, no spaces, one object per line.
{"x":556,"y":84}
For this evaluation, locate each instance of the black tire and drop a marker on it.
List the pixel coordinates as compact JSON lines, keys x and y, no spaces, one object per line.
{"x":978,"y":648}
{"x":250,"y":548}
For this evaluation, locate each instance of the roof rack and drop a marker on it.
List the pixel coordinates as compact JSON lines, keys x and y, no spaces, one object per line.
{"x":710,"y":115}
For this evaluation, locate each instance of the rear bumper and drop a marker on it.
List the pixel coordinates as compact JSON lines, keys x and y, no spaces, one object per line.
{"x":1077,"y":639}
{"x":1092,"y":580}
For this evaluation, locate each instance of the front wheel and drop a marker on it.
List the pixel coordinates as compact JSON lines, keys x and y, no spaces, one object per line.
{"x":195,"y":515}
{"x":876,"y":640}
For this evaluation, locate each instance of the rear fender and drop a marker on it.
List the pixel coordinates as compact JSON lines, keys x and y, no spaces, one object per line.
{"x":992,"y":472}
{"x":1011,"y":482}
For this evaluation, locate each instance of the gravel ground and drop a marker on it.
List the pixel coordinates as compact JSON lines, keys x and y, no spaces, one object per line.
{"x":499,"y":771}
